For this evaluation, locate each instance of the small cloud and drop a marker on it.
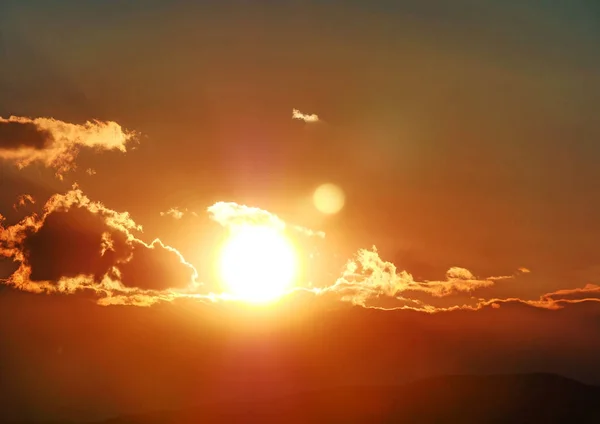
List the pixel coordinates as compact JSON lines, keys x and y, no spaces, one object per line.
{"x":174,"y":213}
{"x":524,"y":270}
{"x":90,"y":171}
{"x":457,"y":273}
{"x":23,"y":200}
{"x":296,"y":114}
{"x":56,"y":144}
{"x":231,"y":215}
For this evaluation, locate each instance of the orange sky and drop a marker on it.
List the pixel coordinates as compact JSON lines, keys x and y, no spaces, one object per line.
{"x":463,"y":138}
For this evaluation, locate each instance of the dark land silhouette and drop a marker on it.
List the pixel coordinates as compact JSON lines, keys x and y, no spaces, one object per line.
{"x":494,"y":399}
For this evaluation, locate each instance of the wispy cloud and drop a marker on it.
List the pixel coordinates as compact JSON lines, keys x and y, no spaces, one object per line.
{"x":56,"y":144}
{"x":23,"y":200}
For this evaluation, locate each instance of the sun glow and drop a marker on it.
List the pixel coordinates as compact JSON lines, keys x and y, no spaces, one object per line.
{"x":257,"y":263}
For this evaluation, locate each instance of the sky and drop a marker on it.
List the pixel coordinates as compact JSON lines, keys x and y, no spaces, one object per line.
{"x":134,"y":137}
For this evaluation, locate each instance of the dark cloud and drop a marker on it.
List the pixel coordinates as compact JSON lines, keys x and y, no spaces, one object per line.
{"x":78,"y":244}
{"x":17,"y":135}
{"x":156,"y":267}
{"x":72,"y":243}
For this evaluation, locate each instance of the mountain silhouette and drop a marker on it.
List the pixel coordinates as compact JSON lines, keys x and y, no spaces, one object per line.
{"x":493,"y":399}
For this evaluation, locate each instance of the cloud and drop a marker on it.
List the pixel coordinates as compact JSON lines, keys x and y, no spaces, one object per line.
{"x":233,"y":215}
{"x":77,"y":244}
{"x":156,"y":267}
{"x":174,"y":213}
{"x":15,"y":135}
{"x":588,"y":292}
{"x":296,"y":114}
{"x":73,"y":242}
{"x":56,"y":144}
{"x":90,"y":171}
{"x":367,"y":278}
{"x":524,"y":270}
{"x":553,"y":301}
{"x":23,"y":200}
{"x":457,"y":280}
{"x":369,"y":281}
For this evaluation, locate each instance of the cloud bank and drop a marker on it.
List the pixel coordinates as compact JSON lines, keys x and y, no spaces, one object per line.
{"x":56,"y":144}
{"x":77,"y":245}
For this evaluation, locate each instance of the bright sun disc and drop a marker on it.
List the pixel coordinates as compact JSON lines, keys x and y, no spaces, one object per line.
{"x":257,"y":263}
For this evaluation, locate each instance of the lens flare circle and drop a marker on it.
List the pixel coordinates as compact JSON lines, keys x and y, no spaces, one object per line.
{"x":329,"y":199}
{"x":257,"y":264}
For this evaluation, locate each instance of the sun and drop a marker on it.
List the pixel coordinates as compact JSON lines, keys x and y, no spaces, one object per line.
{"x":257,"y":263}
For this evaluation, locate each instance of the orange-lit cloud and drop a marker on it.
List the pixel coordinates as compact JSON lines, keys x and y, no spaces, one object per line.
{"x":178,"y":213}
{"x":56,"y":144}
{"x":232,"y":215}
{"x":156,"y":266}
{"x":554,"y":300}
{"x":369,"y":281}
{"x":173,"y":213}
{"x":296,"y":114}
{"x":368,"y":278}
{"x":23,"y":200}
{"x":77,"y":244}
{"x":588,"y":292}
